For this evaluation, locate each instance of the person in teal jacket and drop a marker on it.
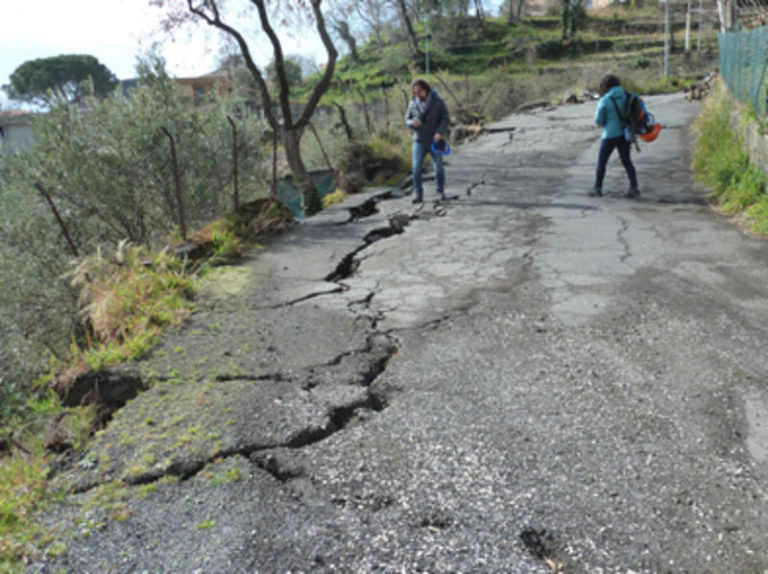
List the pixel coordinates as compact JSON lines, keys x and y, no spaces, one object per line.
{"x":428,"y":118}
{"x":613,"y":98}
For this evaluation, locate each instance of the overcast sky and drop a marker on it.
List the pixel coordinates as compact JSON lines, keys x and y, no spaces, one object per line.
{"x":114,"y":31}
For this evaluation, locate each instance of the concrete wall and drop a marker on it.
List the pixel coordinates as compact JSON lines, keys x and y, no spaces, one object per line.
{"x":755,"y":142}
{"x":757,"y":145}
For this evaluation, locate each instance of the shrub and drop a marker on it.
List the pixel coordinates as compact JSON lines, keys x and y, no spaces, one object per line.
{"x":108,"y":168}
{"x":719,"y":155}
{"x":721,"y":161}
{"x":334,"y":198}
{"x":745,"y":189}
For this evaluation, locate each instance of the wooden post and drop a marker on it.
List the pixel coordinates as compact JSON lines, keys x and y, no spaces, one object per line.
{"x":177,"y":181}
{"x":234,"y":161}
{"x":386,"y":106}
{"x":55,"y":211}
{"x":322,"y":149}
{"x":274,"y":165}
{"x":368,"y":125}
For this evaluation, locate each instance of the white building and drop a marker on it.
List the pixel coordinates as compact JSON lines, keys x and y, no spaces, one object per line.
{"x":15,"y":130}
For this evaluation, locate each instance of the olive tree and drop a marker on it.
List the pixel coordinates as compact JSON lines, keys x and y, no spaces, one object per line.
{"x":107,"y":168}
{"x":234,"y":26}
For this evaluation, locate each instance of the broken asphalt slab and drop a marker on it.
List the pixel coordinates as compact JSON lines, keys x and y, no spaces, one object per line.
{"x":524,"y":380}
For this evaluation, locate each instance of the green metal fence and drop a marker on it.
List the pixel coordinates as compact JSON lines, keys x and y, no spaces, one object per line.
{"x":743,"y":63}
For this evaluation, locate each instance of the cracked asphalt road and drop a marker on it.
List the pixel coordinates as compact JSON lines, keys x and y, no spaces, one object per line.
{"x":526,"y":380}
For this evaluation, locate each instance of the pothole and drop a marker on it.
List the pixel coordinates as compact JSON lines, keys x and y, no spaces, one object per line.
{"x":543,"y":546}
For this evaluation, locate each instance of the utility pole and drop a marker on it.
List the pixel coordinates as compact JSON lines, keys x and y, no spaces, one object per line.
{"x":428,"y":35}
{"x":688,"y":28}
{"x":698,"y":39}
{"x":666,"y":38}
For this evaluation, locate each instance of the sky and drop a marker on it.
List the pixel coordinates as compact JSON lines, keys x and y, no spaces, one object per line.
{"x":116,"y":32}
{"x":113,"y":31}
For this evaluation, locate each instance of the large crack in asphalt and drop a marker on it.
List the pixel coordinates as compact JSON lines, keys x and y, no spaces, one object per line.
{"x":396,"y":225}
{"x":366,"y":363}
{"x":341,"y":416}
{"x":322,"y":384}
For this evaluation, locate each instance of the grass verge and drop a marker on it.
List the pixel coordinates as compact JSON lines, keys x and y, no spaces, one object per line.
{"x":722,"y":163}
{"x":126,"y":300}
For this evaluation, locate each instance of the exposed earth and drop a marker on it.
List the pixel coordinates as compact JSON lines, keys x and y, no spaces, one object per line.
{"x":525,"y":380}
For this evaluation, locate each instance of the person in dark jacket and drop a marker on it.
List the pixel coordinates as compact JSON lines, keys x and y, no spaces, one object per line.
{"x":608,"y":117}
{"x":428,"y":118}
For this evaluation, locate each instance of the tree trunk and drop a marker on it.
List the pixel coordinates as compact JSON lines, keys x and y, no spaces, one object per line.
{"x":342,"y":29}
{"x":368,"y":122}
{"x":479,"y":11}
{"x":413,"y":41}
{"x":310,"y":198}
{"x":565,"y":16}
{"x":290,"y":131}
{"x":510,"y":12}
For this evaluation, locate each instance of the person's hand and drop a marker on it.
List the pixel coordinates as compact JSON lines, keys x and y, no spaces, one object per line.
{"x":416,"y":123}
{"x":437,"y":138}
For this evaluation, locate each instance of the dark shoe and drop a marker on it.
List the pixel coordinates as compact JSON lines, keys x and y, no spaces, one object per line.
{"x":634,"y":192}
{"x":417,"y":199}
{"x":441,"y":196}
{"x":596,"y":192}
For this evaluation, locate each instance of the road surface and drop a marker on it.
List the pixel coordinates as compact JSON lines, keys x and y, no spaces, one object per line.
{"x":525,"y":380}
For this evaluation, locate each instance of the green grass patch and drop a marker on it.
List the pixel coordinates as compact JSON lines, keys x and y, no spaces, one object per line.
{"x":206,"y":524}
{"x":126,"y":301}
{"x":757,"y":215}
{"x":334,"y":198}
{"x":23,"y":492}
{"x":721,"y":162}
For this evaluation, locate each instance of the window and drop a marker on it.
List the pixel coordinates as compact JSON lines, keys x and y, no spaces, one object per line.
{"x":199,"y":92}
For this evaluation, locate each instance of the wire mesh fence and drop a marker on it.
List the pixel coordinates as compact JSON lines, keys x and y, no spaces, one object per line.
{"x":743,"y":64}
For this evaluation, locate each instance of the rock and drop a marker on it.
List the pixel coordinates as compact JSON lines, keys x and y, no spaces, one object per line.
{"x":57,"y":436}
{"x":528,"y":106}
{"x":700,"y":89}
{"x":191,"y":250}
{"x":571,"y":98}
{"x":464,"y":133}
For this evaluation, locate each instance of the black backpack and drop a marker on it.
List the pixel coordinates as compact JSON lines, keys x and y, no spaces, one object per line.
{"x":634,"y":118}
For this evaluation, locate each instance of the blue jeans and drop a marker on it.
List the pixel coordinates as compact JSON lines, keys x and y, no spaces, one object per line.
{"x":606,"y":149}
{"x":420,"y":151}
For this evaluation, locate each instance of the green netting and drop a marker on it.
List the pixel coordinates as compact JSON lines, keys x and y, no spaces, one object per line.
{"x":743,"y":62}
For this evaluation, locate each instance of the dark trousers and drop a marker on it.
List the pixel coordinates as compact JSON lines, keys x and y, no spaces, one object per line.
{"x":606,"y":149}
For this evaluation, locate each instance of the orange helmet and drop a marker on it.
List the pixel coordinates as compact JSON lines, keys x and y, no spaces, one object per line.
{"x":652,"y":134}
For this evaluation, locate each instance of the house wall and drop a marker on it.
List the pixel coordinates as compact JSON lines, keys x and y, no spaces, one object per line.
{"x":198,"y":89}
{"x":15,"y":132}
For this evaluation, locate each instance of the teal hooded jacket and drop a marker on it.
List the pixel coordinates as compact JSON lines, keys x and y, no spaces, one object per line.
{"x":606,"y":116}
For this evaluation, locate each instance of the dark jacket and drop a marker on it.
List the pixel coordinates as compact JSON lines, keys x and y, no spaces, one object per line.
{"x":433,"y":115}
